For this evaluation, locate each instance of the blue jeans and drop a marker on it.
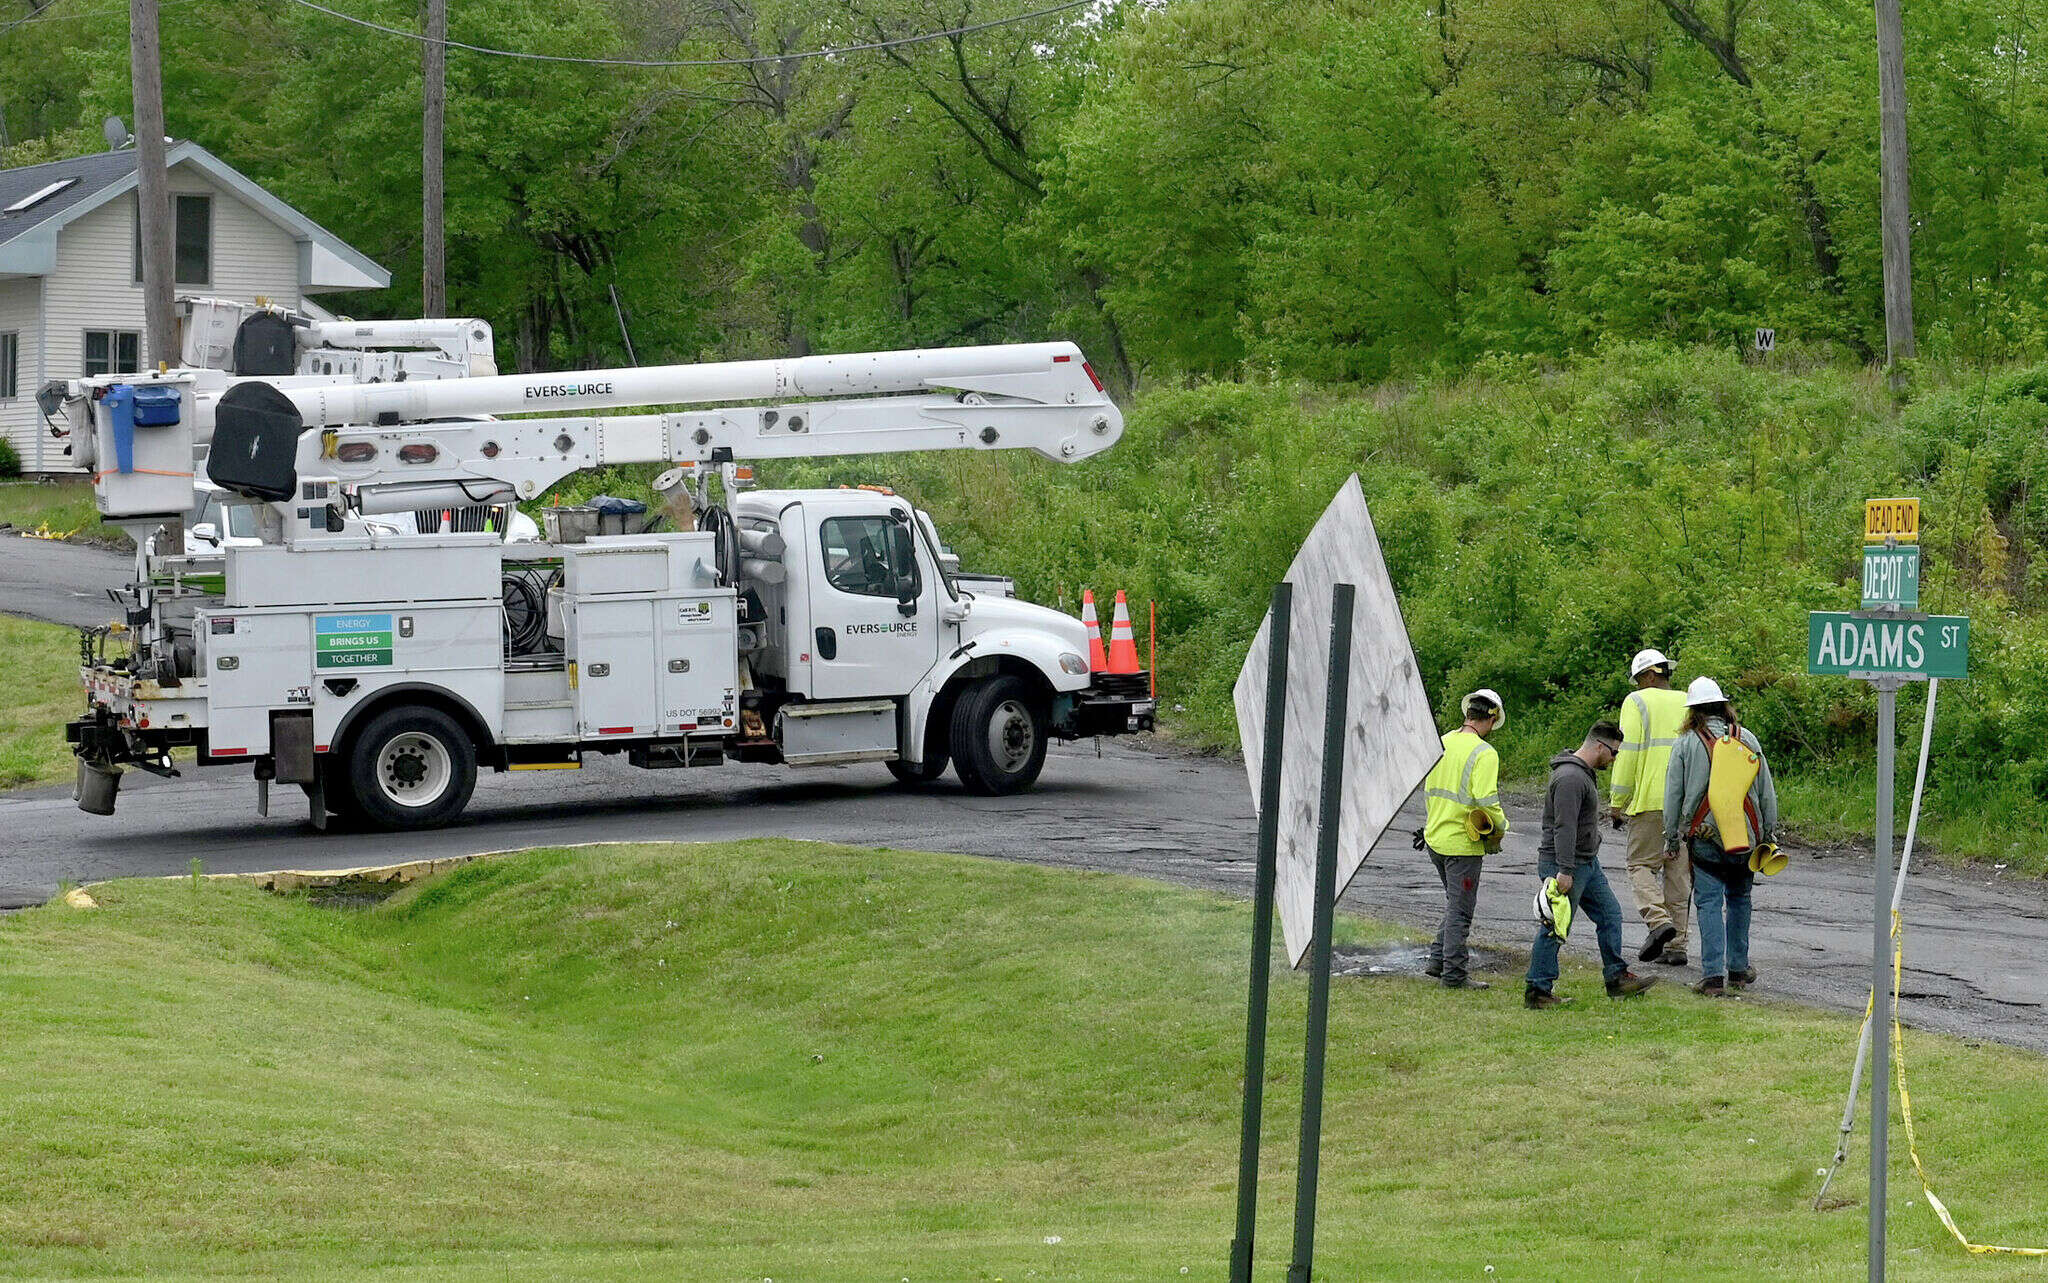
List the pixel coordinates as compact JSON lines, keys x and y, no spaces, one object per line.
{"x":1721,"y":889}
{"x":1590,"y":896}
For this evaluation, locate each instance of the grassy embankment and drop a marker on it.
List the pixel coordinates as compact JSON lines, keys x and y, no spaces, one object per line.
{"x":788,"y":1061}
{"x":39,"y":672}
{"x":64,"y":509}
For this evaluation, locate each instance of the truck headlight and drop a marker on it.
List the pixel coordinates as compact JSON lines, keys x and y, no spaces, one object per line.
{"x":1074,"y":664}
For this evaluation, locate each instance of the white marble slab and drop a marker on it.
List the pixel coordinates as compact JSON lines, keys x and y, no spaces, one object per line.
{"x":1390,"y":737}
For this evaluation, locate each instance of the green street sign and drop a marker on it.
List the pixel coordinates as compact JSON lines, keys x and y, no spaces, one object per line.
{"x":1891,"y":577}
{"x":1854,"y":646}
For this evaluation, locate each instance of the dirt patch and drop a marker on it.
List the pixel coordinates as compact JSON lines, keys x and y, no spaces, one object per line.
{"x":1409,"y":959}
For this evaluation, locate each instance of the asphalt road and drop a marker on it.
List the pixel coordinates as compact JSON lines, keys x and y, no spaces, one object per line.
{"x":1978,"y":950}
{"x":60,"y":583}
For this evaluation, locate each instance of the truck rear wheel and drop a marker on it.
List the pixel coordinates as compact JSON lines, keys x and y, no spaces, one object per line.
{"x":412,"y":767}
{"x":998,"y":736}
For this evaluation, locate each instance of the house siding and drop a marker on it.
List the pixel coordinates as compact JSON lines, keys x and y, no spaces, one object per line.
{"x":94,"y":285}
{"x":19,"y":423}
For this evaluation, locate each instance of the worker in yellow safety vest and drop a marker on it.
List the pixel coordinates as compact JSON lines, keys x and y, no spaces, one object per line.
{"x":1465,"y":823}
{"x":1651,"y":718}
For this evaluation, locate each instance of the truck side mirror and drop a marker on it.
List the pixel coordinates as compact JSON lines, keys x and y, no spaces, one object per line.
{"x":906,"y":594}
{"x":207,"y":532}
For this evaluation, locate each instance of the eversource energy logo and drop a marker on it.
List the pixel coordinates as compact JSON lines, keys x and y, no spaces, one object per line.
{"x":538,"y":390}
{"x":902,"y":628}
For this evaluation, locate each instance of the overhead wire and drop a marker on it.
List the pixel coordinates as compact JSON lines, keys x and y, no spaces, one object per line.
{"x":832,"y":51}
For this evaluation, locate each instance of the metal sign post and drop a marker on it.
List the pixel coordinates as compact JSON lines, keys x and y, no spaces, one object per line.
{"x":1887,"y":643}
{"x":1262,"y":936}
{"x":1334,"y":727}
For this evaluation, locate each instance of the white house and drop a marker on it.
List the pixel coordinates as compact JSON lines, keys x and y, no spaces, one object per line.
{"x":70,"y":273}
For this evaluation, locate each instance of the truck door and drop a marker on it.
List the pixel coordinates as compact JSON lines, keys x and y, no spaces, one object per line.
{"x":873,"y":603}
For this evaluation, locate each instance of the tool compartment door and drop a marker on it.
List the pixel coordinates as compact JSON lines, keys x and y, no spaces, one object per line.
{"x":612,"y":645}
{"x":699,"y":662}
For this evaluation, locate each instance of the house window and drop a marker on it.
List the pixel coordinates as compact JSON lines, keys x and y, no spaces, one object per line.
{"x":112,"y":352}
{"x":10,"y":365}
{"x":191,"y":240}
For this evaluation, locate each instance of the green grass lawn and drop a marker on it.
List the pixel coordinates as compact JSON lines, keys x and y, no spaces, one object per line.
{"x":39,"y":672}
{"x":64,"y":508}
{"x":790,"y":1061}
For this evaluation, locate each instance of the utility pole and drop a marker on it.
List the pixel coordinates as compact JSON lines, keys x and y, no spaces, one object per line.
{"x":152,"y":183}
{"x":434,"y":245}
{"x":1898,"y":232}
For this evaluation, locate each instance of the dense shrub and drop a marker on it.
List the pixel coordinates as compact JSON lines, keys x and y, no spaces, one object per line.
{"x":10,"y":459}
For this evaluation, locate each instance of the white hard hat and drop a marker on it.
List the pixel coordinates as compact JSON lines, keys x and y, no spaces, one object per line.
{"x":1647,"y":659}
{"x":1704,"y":690}
{"x":1491,"y":696}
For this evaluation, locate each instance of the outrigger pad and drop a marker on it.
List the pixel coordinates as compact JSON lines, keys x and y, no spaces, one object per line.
{"x":255,"y":443}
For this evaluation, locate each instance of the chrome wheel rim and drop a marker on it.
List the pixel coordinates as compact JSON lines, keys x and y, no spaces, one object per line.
{"x":414,"y":769}
{"x":1011,"y":736}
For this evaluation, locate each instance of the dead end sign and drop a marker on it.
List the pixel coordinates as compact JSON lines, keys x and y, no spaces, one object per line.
{"x":1391,"y":740}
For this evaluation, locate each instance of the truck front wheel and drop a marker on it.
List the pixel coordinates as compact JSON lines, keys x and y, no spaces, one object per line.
{"x":998,"y":736}
{"x":412,"y":767}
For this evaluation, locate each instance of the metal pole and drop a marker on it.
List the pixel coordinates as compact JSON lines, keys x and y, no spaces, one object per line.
{"x":1329,"y":821}
{"x":1892,"y":164}
{"x":1282,"y":615}
{"x":1881,"y":973}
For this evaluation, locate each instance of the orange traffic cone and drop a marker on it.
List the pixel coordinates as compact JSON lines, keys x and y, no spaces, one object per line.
{"x":1123,"y":647}
{"x":1096,"y":663}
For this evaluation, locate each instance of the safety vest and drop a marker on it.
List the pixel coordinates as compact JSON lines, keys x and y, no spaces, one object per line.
{"x":1651,"y":721}
{"x":1465,"y":778}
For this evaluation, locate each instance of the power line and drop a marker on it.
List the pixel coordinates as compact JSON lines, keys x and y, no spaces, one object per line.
{"x":831,"y":52}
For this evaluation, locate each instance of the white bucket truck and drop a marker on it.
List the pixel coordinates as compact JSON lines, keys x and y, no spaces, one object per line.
{"x":380,"y":673}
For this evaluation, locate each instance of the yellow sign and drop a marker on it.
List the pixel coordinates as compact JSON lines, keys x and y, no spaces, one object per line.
{"x":1891,"y":518}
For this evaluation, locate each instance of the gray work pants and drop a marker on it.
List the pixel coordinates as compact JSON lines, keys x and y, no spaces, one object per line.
{"x":1460,"y":876}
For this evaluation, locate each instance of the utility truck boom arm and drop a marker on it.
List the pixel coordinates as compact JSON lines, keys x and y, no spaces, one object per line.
{"x":398,"y":446}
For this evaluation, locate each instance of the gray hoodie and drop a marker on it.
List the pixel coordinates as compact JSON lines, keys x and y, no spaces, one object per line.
{"x":1571,"y":814}
{"x":1685,"y":787}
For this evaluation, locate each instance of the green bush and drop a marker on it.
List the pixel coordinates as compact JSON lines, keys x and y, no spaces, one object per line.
{"x":10,"y":459}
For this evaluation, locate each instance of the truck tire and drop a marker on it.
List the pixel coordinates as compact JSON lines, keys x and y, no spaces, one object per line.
{"x":998,"y":736}
{"x":411,"y":767}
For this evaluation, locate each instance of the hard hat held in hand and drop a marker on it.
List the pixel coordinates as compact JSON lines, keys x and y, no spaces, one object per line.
{"x":1553,"y":909}
{"x":1489,"y":697}
{"x":1704,"y":690}
{"x":1646,"y":659}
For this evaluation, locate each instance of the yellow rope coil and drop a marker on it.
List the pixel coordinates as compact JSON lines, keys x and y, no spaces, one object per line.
{"x":1906,"y":1106}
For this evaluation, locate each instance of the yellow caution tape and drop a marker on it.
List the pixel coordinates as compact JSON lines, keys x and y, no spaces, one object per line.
{"x":1906,"y":1107}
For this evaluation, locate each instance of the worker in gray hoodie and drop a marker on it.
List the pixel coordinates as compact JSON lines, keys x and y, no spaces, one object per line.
{"x":1721,"y":881}
{"x":1570,"y":851}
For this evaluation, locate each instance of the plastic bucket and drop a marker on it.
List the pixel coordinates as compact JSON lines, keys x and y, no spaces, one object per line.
{"x":97,"y":786}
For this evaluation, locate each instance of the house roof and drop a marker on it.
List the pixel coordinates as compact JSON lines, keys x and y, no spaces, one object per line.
{"x":28,"y":238}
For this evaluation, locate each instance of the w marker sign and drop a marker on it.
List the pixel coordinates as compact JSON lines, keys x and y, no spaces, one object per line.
{"x":1854,"y":646}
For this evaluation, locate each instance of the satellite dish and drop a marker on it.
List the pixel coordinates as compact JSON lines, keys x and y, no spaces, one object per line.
{"x":114,"y":132}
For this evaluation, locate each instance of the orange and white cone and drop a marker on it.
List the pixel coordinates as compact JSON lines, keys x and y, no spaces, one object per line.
{"x":1123,"y":646}
{"x":1096,"y":663}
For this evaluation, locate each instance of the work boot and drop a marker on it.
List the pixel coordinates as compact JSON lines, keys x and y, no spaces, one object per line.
{"x":1659,"y":937}
{"x":1672,"y":958}
{"x":1540,"y":999}
{"x":1711,"y":987}
{"x":1628,"y":984}
{"x":1466,"y":982}
{"x":1433,"y":970}
{"x":1741,"y":979}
